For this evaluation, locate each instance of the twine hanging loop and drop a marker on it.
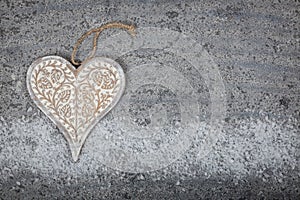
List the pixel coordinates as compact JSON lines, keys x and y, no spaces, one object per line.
{"x":97,"y":31}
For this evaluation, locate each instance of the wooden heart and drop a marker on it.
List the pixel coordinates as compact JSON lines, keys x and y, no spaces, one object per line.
{"x":75,"y":99}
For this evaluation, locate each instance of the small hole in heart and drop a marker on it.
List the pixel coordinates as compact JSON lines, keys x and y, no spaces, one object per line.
{"x":77,"y":66}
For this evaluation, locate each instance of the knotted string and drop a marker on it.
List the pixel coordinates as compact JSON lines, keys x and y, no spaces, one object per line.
{"x":97,"y":31}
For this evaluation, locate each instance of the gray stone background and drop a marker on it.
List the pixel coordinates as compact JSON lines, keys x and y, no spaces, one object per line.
{"x":253,"y":48}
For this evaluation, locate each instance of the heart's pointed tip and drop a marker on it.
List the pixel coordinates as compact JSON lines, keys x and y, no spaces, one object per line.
{"x":75,"y":153}
{"x":75,"y":158}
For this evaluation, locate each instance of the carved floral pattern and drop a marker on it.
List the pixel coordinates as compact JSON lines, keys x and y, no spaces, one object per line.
{"x":74,"y":97}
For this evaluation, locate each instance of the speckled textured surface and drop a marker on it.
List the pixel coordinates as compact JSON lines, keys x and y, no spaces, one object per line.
{"x":211,"y":110}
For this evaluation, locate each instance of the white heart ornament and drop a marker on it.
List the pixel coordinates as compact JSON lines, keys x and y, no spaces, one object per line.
{"x":75,"y":99}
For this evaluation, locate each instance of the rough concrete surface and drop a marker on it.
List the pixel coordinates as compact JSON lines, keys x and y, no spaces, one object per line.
{"x":211,"y":108}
